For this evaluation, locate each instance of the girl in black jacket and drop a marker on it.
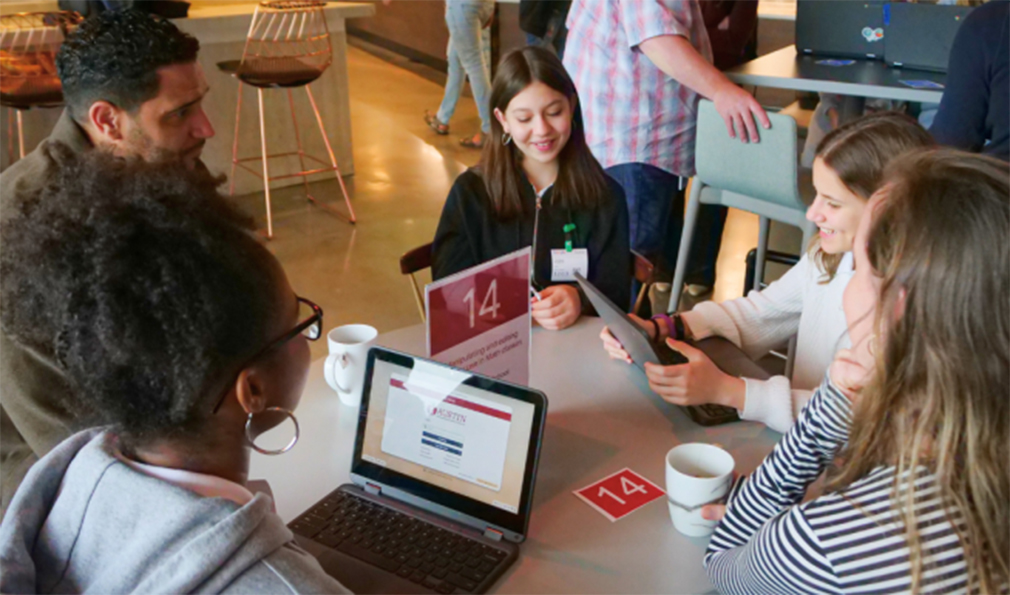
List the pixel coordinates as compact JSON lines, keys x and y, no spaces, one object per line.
{"x":538,"y":185}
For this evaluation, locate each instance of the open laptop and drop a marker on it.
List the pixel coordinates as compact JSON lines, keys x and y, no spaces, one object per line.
{"x":919,"y":35}
{"x":844,"y":28}
{"x":443,"y":470}
{"x":642,"y":349}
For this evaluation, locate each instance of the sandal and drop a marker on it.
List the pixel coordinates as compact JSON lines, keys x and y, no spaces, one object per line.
{"x":432,"y":121}
{"x":470,"y":143}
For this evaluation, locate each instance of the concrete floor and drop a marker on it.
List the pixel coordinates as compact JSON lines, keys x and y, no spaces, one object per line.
{"x":404,"y":172}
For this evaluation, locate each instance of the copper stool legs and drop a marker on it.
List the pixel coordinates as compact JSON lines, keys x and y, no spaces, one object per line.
{"x":302,"y":156}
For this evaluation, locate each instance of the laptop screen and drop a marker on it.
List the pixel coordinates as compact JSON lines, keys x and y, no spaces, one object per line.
{"x":465,"y":442}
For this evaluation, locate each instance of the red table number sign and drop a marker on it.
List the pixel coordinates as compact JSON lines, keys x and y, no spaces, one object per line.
{"x":620,"y":494}
{"x":479,"y":319}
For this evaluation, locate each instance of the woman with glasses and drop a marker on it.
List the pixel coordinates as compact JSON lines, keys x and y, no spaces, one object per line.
{"x":179,"y":331}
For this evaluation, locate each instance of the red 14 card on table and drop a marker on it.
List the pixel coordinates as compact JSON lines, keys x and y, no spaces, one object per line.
{"x":620,"y":494}
{"x":479,"y":319}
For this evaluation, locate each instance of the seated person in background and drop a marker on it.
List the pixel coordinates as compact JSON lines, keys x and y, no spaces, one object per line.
{"x":538,"y":184}
{"x":974,"y":113}
{"x":133,"y":87}
{"x":180,"y":330}
{"x":915,"y":416}
{"x":806,"y":301}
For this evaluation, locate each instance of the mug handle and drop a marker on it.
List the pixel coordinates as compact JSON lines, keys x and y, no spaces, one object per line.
{"x":343,"y":361}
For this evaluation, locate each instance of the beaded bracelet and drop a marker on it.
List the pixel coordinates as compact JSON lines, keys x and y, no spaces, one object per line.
{"x":670,"y":327}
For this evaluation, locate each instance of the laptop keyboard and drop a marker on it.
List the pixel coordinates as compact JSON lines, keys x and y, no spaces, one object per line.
{"x":438,"y":559}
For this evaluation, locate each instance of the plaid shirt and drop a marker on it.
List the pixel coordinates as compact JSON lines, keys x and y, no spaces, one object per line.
{"x":633,"y":111}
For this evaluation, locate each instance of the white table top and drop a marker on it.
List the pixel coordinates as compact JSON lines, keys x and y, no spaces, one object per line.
{"x":783,"y":69}
{"x":602,"y":417}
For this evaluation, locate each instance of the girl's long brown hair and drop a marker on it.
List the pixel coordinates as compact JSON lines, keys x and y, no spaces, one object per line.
{"x":581,"y":183}
{"x":939,"y":399}
{"x":858,"y":152}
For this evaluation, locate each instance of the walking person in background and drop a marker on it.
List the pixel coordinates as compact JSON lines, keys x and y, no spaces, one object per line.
{"x":469,"y":23}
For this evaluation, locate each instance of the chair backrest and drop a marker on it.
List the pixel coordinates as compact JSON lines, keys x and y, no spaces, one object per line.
{"x":28,"y":46}
{"x":286,"y":30}
{"x":642,"y":271}
{"x":416,"y":260}
{"x":412,"y":262}
{"x":765,"y":170}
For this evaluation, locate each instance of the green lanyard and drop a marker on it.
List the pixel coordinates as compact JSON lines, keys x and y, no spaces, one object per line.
{"x":568,"y":229}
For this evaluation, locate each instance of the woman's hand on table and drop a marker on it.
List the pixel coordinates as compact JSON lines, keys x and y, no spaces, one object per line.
{"x":696,"y":382}
{"x":614,"y":348}
{"x":558,"y":308}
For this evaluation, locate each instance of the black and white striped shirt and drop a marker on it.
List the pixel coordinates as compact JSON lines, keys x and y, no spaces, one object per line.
{"x":844,"y":542}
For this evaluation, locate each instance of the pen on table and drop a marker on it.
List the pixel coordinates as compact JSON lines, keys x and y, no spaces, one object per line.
{"x":535,"y":294}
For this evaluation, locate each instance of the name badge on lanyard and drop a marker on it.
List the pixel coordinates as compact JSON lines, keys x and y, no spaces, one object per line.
{"x":565,"y":263}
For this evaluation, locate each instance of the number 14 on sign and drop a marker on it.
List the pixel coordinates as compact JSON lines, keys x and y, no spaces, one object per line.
{"x":628,"y":486}
{"x":485,"y":309}
{"x":619,"y":494}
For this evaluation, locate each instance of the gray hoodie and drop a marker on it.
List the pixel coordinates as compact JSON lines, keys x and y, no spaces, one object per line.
{"x":85,"y":521}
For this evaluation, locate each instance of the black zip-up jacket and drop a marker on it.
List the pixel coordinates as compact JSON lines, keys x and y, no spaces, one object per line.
{"x":469,"y":233}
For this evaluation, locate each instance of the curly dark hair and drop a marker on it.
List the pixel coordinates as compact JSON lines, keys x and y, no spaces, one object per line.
{"x":114,"y":56}
{"x":145,"y":283}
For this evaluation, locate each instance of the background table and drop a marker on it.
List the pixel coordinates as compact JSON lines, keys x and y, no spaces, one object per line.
{"x":784,"y":69}
{"x":602,"y":417}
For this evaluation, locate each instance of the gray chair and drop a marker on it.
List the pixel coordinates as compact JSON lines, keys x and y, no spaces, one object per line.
{"x":761,"y":178}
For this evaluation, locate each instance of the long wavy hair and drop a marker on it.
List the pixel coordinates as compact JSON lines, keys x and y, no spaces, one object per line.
{"x":940,"y":242}
{"x":858,"y":153}
{"x":581,"y":183}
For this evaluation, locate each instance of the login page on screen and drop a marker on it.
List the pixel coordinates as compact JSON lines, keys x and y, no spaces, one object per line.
{"x":463,"y":439}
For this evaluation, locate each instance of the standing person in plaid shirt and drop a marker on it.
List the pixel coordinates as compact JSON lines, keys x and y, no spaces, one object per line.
{"x":640,"y":67}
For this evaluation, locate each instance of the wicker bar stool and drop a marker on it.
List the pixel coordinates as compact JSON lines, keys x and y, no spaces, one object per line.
{"x":28,"y":46}
{"x":288,"y":46}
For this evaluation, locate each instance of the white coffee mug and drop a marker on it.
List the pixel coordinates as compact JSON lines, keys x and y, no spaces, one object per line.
{"x":344,"y":369}
{"x":696,"y":474}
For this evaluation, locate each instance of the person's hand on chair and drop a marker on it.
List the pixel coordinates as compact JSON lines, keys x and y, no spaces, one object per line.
{"x":739,"y":110}
{"x":558,"y":308}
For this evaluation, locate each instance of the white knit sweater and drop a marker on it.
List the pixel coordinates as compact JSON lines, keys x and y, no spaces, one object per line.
{"x":763,"y":320}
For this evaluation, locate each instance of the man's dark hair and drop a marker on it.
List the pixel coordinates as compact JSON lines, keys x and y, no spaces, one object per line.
{"x":144,"y":282}
{"x":114,"y":56}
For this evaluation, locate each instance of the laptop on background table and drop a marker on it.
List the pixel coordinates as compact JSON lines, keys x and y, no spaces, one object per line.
{"x":727,"y":356}
{"x":442,"y":475}
{"x":920,"y":35}
{"x":840,"y":28}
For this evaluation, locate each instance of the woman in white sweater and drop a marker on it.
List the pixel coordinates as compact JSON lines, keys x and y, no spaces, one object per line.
{"x":806,"y":301}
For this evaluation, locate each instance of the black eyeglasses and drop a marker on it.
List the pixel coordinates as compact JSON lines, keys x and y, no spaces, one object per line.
{"x":311,"y":328}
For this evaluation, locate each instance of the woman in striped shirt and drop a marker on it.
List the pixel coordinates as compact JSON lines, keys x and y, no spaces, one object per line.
{"x":916,"y":412}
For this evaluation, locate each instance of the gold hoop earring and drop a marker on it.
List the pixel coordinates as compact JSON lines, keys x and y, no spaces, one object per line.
{"x":506,"y":138}
{"x":252,"y":441}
